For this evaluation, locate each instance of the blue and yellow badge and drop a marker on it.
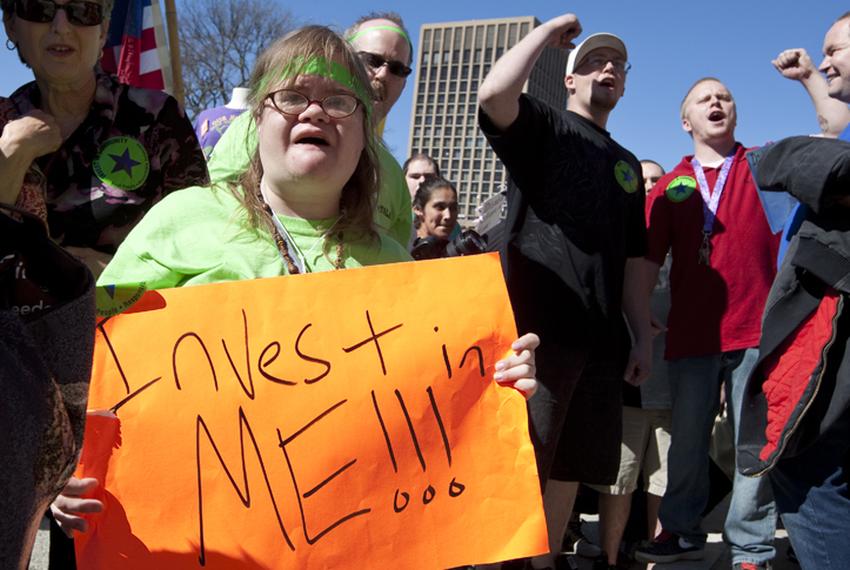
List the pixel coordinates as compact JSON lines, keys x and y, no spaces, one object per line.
{"x":626,"y":176}
{"x":122,"y":162}
{"x":680,"y":188}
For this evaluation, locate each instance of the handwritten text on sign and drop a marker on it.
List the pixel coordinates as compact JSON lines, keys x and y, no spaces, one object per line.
{"x":343,"y":419}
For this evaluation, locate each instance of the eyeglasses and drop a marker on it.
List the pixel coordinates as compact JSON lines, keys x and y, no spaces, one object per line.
{"x":79,"y":13}
{"x":600,"y":61}
{"x":375,"y":61}
{"x":290,"y":102}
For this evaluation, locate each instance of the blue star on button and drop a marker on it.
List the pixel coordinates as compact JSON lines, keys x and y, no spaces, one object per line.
{"x":124,"y":162}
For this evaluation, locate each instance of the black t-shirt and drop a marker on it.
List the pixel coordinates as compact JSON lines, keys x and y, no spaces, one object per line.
{"x":578,"y":215}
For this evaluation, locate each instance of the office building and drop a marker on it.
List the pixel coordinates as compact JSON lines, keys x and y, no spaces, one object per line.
{"x":452,"y":61}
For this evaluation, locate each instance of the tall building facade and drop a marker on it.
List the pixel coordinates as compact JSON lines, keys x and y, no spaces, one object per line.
{"x":452,"y":61}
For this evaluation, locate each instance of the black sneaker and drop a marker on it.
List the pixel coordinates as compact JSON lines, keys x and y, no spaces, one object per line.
{"x":576,"y":543}
{"x":668,"y":547}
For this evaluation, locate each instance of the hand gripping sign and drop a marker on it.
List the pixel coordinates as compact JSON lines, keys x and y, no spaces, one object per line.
{"x":331,"y":420}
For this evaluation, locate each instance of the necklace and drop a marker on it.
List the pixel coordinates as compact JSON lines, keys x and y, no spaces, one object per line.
{"x":282,"y":243}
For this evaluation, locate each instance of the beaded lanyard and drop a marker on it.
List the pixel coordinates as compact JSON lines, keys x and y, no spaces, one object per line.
{"x":283,"y":245}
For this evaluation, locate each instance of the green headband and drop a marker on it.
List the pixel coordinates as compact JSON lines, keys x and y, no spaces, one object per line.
{"x":317,"y":65}
{"x":395,"y":29}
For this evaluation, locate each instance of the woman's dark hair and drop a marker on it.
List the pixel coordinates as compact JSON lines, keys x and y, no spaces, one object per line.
{"x":427,"y":188}
{"x":421,"y":156}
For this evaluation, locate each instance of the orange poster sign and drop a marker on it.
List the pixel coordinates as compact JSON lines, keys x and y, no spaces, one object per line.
{"x":332,"y":420}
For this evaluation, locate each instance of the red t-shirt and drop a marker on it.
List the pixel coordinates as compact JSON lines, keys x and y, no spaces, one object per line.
{"x":714,"y":308}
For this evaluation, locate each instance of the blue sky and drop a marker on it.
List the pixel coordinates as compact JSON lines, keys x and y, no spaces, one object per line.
{"x":671,"y":44}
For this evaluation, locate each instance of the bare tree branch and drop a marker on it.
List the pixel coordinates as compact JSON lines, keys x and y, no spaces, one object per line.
{"x":219,"y":41}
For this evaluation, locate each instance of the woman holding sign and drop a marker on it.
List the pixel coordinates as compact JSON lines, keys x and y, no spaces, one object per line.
{"x":305,"y":203}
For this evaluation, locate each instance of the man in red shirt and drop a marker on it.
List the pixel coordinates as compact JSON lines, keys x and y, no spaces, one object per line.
{"x":708,"y":214}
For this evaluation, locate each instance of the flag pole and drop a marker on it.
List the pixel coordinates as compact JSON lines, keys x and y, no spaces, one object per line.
{"x":174,"y":50}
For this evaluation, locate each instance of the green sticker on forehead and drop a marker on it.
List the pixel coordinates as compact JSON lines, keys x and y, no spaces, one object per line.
{"x":320,"y":66}
{"x":395,"y":29}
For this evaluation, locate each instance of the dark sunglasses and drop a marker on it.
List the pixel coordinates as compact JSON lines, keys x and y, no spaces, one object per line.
{"x":375,"y":61}
{"x":79,"y":12}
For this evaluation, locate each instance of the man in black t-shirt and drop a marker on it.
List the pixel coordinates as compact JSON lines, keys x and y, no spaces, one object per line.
{"x":576,"y":237}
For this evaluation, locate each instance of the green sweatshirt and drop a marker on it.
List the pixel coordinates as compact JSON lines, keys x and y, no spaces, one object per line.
{"x":201,"y":235}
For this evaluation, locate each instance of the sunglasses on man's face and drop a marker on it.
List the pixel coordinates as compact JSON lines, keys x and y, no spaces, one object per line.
{"x":375,"y":61}
{"x":79,"y":12}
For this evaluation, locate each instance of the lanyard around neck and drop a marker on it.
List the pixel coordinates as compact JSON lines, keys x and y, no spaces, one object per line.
{"x":295,"y":253}
{"x":711,"y":198}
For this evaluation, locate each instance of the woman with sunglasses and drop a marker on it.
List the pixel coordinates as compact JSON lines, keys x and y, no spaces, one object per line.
{"x":304,"y":204}
{"x":86,"y":153}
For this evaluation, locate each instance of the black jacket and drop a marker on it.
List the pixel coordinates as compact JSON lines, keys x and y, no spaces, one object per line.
{"x":801,"y":384}
{"x":45,"y":365}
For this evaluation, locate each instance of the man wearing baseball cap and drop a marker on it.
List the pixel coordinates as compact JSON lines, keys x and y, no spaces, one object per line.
{"x":572,"y":260}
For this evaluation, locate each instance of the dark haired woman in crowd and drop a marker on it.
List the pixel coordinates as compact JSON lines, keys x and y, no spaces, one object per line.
{"x":435,"y":208}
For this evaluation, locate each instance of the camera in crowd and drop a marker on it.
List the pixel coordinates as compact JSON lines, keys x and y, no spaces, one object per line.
{"x":467,"y":243}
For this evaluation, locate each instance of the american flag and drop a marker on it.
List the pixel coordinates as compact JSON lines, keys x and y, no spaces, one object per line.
{"x":135,"y":49}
